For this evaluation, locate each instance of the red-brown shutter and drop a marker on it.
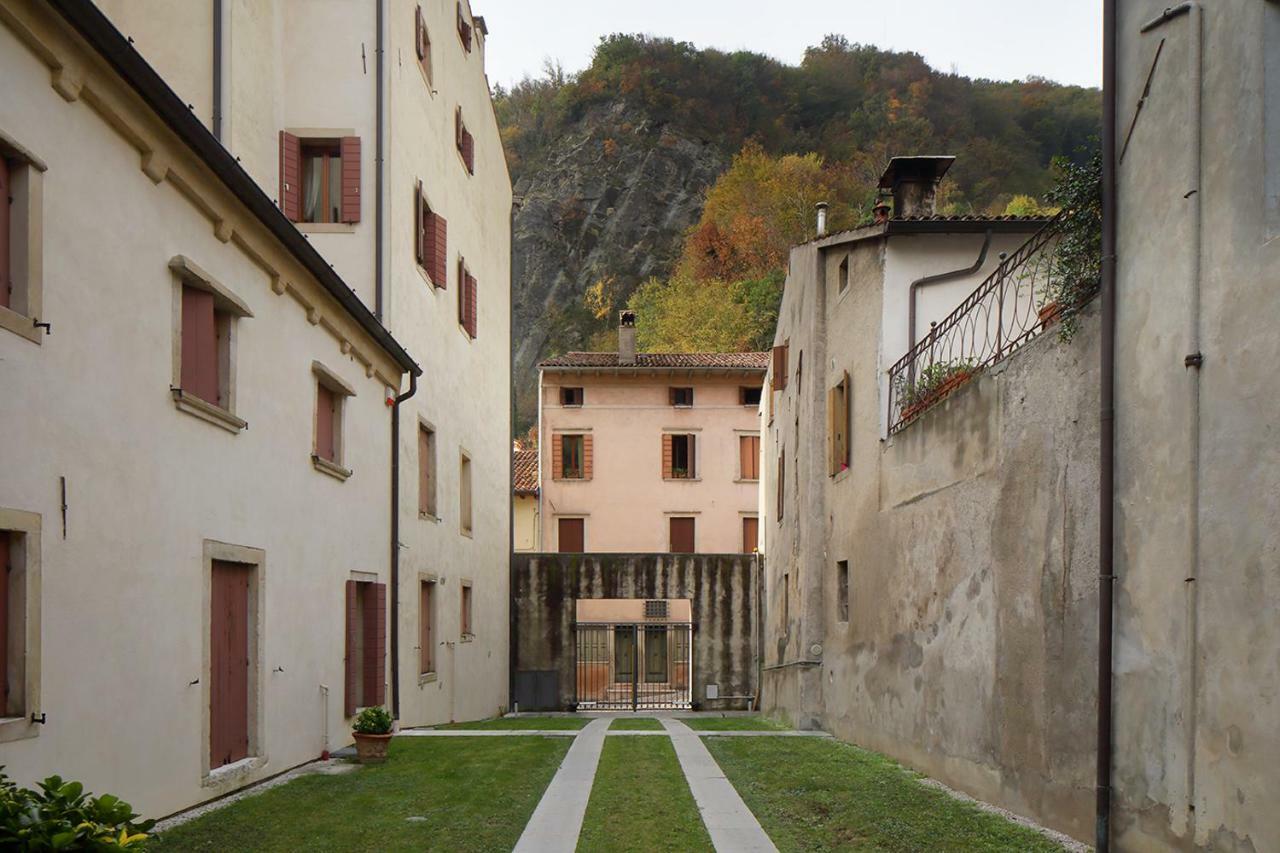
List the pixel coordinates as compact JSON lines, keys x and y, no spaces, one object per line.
{"x":375,"y":644}
{"x":436,"y":254}
{"x":666,"y":456}
{"x":462,"y":293}
{"x":782,"y":478}
{"x":587,"y":446}
{"x":291,"y":176}
{"x":780,"y":367}
{"x":4,"y":623}
{"x":469,"y":150}
{"x":471,"y":306}
{"x":693,"y":456}
{"x":426,"y":644}
{"x":557,"y":457}
{"x":351,"y":697}
{"x":6,"y":274}
{"x":228,"y":663}
{"x":571,"y":539}
{"x":350,"y":151}
{"x":682,"y":536}
{"x":418,"y":32}
{"x":199,"y":345}
{"x":750,"y":534}
{"x":326,"y":417}
{"x":424,"y":469}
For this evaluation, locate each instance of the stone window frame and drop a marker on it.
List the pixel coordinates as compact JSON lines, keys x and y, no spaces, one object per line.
{"x":231,"y":776}
{"x":342,"y":391}
{"x":26,"y":245}
{"x":27,"y":569}
{"x":187,"y":273}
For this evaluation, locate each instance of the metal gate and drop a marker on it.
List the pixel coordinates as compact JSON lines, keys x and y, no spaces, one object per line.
{"x":634,"y":666}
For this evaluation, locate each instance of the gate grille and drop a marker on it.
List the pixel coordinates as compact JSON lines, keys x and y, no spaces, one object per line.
{"x":629,"y":666}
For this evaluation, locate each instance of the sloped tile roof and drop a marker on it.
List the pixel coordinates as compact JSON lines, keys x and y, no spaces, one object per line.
{"x":651,"y":360}
{"x":525,"y":476}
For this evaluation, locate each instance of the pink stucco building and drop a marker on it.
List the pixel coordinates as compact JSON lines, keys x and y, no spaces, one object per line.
{"x":649,"y":452}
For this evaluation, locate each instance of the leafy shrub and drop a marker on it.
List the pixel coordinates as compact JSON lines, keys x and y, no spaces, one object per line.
{"x":60,"y":816}
{"x":930,"y":381}
{"x":374,"y":720}
{"x":1077,"y":256}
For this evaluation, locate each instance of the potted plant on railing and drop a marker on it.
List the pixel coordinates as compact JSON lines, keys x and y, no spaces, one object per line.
{"x":372,"y":731}
{"x":934,"y":382}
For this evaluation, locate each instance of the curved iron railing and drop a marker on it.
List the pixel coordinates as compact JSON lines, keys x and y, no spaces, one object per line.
{"x":1003,"y":314}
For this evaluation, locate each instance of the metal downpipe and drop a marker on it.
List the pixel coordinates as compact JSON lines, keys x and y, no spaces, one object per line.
{"x":936,"y":278}
{"x":395,"y":543}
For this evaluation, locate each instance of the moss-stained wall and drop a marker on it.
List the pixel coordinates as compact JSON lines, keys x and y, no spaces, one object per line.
{"x":722,"y":587}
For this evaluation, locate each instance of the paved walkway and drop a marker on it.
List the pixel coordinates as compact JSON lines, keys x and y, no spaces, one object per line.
{"x":557,"y":820}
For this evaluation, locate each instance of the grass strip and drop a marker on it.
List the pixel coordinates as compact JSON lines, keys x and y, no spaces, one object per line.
{"x":734,"y":724}
{"x":640,"y":801}
{"x":635,"y":724}
{"x":521,"y":723}
{"x":823,"y":795}
{"x":456,"y":794}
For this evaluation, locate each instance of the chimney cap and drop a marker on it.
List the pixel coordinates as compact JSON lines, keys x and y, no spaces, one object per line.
{"x":924,"y":167}
{"x":822,"y":205}
{"x":627,"y":319}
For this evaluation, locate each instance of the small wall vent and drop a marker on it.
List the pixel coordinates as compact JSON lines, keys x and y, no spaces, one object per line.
{"x":655,"y":609}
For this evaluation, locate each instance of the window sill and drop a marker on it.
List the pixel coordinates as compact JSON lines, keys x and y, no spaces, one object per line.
{"x":20,"y":324}
{"x":333,"y":469}
{"x":465,"y":532}
{"x":426,"y":516}
{"x":747,"y":480}
{"x":682,"y":479}
{"x":231,"y":775}
{"x":426,"y":678}
{"x":426,"y":76}
{"x":571,"y":479}
{"x":208,"y":412}
{"x":17,"y":728}
{"x":326,"y":227}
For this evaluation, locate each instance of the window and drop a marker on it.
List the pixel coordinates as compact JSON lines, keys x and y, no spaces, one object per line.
{"x":464,"y":495}
{"x":571,"y":396}
{"x":749,"y":457}
{"x":844,"y":274}
{"x":207,"y":315}
{"x":422,"y":44}
{"x":464,"y":29}
{"x":320,"y":178}
{"x":21,"y":248}
{"x":571,"y":535}
{"x":682,"y":538}
{"x":431,"y":238}
{"x":842,"y":591}
{"x":838,"y":426}
{"x":426,"y":627}
{"x":782,"y":480}
{"x":679,"y":457}
{"x":465,"y":142}
{"x":466,"y":300}
{"x":571,"y":456}
{"x":467,"y":631}
{"x":426,"y":471}
{"x":786,"y":603}
{"x":749,"y":395}
{"x":780,"y":366}
{"x":331,"y":395}
{"x":19,"y":623}
{"x":366,"y":645}
{"x":681,"y":396}
{"x":750,"y":534}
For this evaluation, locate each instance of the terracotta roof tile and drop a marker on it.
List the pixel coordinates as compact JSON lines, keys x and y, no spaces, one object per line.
{"x":525,"y":477}
{"x":650,"y":360}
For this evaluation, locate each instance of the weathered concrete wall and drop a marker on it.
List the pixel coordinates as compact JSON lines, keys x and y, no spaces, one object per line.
{"x":722,"y":587}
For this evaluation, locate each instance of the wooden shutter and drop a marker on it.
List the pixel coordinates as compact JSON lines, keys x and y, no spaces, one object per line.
{"x":425,"y":644}
{"x":199,"y":375}
{"x":228,"y":663}
{"x":471,"y":305}
{"x":349,"y":149}
{"x":419,"y":33}
{"x":750,"y":534}
{"x":469,"y":150}
{"x":666,"y":456}
{"x":462,"y":293}
{"x":693,"y":456}
{"x":424,"y":471}
{"x":457,"y":129}
{"x":326,"y":421}
{"x":682,"y":539}
{"x":749,"y":456}
{"x":350,"y":695}
{"x":436,"y":254}
{"x":6,"y":273}
{"x":587,"y":444}
{"x":375,"y":644}
{"x":780,"y":367}
{"x":291,"y":176}
{"x":557,"y":457}
{"x":419,"y":226}
{"x":782,"y":478}
{"x":4,"y":622}
{"x":832,"y":432}
{"x":571,"y":538}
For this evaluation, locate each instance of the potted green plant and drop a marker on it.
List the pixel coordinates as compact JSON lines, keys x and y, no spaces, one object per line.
{"x":372,"y":731}
{"x":934,"y":382}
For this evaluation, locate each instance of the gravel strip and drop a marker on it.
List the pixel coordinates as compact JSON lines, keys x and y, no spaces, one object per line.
{"x":1067,"y":842}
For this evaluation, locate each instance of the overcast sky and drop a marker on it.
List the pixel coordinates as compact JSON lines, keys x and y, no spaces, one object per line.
{"x":998,"y":39}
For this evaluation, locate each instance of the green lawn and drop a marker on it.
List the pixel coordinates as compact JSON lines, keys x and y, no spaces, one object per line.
{"x":640,"y":801}
{"x":474,"y":794}
{"x":734,"y":724}
{"x":822,"y":795}
{"x":636,"y":724}
{"x":521,"y":723}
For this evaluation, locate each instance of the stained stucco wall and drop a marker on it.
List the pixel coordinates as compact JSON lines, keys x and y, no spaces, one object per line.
{"x":722,"y":588}
{"x":525,"y":527}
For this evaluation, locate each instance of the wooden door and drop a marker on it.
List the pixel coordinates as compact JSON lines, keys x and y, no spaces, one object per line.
{"x":229,"y":664}
{"x":682,"y":536}
{"x":572,"y":538}
{"x":750,"y":534}
{"x":624,"y":654}
{"x":655,"y":655}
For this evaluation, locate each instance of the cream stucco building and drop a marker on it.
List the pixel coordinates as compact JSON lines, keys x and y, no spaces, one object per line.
{"x":244,"y":232}
{"x":649,"y":452}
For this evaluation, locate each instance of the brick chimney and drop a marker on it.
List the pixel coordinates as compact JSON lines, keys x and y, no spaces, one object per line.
{"x":626,"y":337}
{"x":913,"y":182}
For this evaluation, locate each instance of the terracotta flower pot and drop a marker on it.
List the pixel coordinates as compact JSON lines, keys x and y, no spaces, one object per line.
{"x":371,"y":749}
{"x":1048,"y":314}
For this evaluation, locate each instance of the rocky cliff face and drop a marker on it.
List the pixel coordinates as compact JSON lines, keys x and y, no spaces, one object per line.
{"x":614,"y":198}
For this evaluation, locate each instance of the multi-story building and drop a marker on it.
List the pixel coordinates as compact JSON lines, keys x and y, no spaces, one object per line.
{"x":649,"y":452}
{"x":525,"y":530}
{"x":317,"y":194}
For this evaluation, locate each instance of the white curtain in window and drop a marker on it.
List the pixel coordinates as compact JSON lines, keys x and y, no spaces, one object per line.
{"x":312,"y":173}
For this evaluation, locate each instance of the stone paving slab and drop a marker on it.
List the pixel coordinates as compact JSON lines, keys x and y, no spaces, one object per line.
{"x":732,"y":826}
{"x":557,"y":820}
